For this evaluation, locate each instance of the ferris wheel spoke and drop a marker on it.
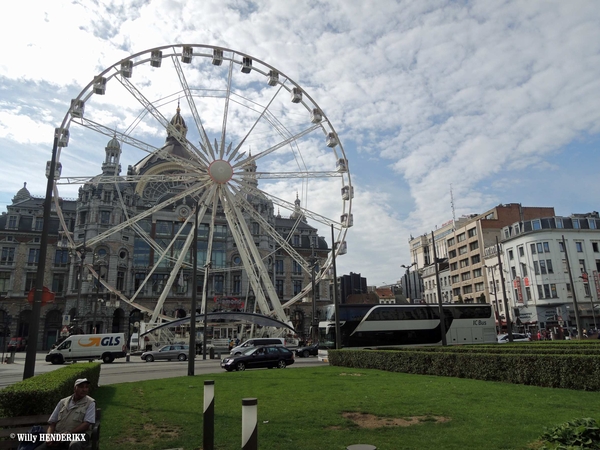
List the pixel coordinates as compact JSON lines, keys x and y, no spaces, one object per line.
{"x":258,"y":119}
{"x":251,"y":257}
{"x":211,"y":234}
{"x":291,"y":207}
{"x":283,"y":243}
{"x":192,"y":105}
{"x":142,"y":215}
{"x":276,"y":147}
{"x":174,"y":271}
{"x":290,"y":175}
{"x":226,"y":111}
{"x":159,"y":117}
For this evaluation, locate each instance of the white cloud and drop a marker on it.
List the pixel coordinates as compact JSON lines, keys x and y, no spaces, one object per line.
{"x":475,"y":94}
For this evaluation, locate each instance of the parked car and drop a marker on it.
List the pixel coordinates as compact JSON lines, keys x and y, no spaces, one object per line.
{"x":308,"y":350}
{"x":17,"y":344}
{"x":168,"y":352}
{"x":517,"y":337}
{"x":267,"y":356}
{"x":256,"y":342}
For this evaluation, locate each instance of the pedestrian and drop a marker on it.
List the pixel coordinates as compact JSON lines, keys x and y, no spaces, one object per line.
{"x":75,"y":414}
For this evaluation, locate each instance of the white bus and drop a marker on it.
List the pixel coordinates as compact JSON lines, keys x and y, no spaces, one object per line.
{"x":379,"y":326}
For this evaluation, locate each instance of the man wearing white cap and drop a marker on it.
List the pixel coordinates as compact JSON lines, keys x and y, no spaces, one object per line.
{"x":73,"y":415}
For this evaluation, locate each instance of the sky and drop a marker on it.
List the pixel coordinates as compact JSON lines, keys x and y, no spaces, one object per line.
{"x":443,"y":108}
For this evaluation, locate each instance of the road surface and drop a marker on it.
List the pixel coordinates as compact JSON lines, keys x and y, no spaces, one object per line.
{"x":121,"y":371}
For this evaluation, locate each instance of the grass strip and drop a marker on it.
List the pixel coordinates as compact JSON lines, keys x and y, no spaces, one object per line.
{"x":327,"y":407}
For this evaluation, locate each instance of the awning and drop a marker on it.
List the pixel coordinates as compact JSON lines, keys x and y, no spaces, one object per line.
{"x":257,"y":319}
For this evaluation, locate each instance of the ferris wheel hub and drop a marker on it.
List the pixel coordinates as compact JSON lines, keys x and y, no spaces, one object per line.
{"x":220,"y":171}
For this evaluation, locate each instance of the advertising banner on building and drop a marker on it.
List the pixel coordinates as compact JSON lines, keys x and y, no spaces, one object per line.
{"x":517,"y":284}
{"x":595,"y":275}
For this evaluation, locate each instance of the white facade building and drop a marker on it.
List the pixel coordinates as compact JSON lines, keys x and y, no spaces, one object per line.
{"x":536,"y":263}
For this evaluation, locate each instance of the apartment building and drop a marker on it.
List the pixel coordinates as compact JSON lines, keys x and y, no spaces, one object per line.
{"x":466,"y":247}
{"x":548,"y":263}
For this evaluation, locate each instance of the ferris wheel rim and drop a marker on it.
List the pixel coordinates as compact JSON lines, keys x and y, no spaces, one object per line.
{"x":87,"y":92}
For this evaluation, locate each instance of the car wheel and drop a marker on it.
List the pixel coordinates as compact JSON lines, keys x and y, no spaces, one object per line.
{"x":56,"y":360}
{"x":149,"y":358}
{"x":240,"y":366}
{"x":181,"y":358}
{"x":107,"y":359}
{"x":281,"y":364}
{"x":306,"y":353}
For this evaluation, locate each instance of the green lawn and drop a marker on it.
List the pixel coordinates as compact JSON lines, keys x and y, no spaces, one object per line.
{"x":301,"y":409}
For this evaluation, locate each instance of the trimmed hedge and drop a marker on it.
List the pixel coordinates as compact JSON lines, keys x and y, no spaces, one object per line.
{"x":579,"y":372}
{"x":41,"y":393}
{"x":510,"y":349}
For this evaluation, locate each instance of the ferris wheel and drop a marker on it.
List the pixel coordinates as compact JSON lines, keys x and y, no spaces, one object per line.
{"x":242,"y":140}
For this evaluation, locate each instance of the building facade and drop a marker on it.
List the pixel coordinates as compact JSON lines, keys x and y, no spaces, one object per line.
{"x":550,"y":263}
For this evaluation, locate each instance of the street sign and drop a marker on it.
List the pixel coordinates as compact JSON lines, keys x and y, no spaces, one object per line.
{"x":66,"y":319}
{"x":64,"y":331}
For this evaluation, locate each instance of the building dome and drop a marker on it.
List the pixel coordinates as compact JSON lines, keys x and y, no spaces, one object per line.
{"x":178,"y":122}
{"x":113,"y":143}
{"x":23,"y":194}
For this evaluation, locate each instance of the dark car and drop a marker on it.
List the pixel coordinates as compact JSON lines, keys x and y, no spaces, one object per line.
{"x":307,"y":351}
{"x":267,"y":356}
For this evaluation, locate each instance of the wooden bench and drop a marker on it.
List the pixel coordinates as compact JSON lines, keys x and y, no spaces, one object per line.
{"x":23,"y":424}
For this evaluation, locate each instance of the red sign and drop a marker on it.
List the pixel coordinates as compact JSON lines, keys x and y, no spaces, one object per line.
{"x":47,"y":296}
{"x":595,"y":275}
{"x":526,"y":281}
{"x":517,"y":284}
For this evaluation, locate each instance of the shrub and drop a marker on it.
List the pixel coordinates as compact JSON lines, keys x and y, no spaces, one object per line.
{"x":41,"y":393}
{"x":577,"y":434}
{"x":573,"y":371}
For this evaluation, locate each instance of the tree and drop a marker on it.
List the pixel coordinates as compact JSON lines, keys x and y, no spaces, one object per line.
{"x":460,"y":299}
{"x":482,"y":298}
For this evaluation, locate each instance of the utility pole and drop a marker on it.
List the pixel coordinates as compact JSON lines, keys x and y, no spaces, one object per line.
{"x":439,"y":293}
{"x":338,"y":338}
{"x":577,"y":319}
{"x":192,"y":349}
{"x":79,"y":285}
{"x":315,"y":320}
{"x":36,"y":310}
{"x":506,"y":309}
{"x":496,"y":309}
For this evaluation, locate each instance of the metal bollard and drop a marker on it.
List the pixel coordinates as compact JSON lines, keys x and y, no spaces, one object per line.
{"x":208,"y":432}
{"x":249,"y":424}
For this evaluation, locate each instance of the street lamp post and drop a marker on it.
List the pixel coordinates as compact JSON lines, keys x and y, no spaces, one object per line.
{"x":439,"y":293}
{"x":36,"y":310}
{"x":506,"y":310}
{"x":496,"y":307}
{"x":205,"y":302}
{"x":315,"y":320}
{"x":575,"y":307}
{"x":79,"y":284}
{"x":408,"y":290}
{"x":192,"y":352}
{"x":336,"y":303}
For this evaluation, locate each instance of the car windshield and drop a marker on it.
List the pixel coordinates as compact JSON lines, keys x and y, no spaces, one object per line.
{"x":249,"y":351}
